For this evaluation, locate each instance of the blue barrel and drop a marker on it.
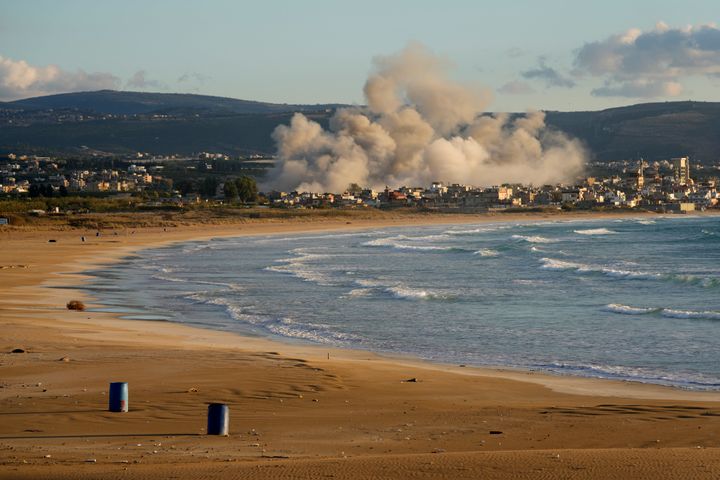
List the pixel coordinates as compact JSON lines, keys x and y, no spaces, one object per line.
{"x":119,"y":397}
{"x":218,"y":419}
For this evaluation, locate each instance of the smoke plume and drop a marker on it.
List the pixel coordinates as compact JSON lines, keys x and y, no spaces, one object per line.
{"x":419,"y":127}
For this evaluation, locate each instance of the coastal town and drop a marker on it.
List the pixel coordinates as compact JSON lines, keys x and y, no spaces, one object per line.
{"x":664,"y":186}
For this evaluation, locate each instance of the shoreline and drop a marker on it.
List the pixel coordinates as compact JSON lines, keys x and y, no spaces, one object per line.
{"x":103,"y":346}
{"x":548,"y":379}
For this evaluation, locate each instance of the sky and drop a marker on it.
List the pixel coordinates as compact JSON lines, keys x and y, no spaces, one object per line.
{"x":549,"y":55}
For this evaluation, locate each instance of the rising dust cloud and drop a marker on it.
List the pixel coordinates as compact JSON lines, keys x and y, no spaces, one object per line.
{"x":418,"y":127}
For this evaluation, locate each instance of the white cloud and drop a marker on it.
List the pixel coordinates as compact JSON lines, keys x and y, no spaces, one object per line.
{"x":652,"y":63}
{"x":19,"y":79}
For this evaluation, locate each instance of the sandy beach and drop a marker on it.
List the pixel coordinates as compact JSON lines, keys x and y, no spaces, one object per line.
{"x":297,"y":411}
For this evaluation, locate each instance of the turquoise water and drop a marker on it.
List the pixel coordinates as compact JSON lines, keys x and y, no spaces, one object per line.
{"x":634,"y":299}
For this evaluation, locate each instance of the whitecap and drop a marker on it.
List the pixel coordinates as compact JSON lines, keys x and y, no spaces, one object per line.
{"x":410,"y":293}
{"x":555,"y":264}
{"x":487,"y":252}
{"x":397,"y":290}
{"x":690,"y":314}
{"x":534,"y":239}
{"x":397,"y":243}
{"x":472,"y":231}
{"x":628,"y":310}
{"x":595,"y":231}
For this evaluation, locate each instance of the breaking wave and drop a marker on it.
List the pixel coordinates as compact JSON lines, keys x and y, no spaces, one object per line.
{"x":396,"y":290}
{"x":665,"y":312}
{"x":628,"y":310}
{"x":534,"y":239}
{"x":487,"y":252}
{"x":595,"y":231}
{"x":397,"y":243}
{"x":300,"y":266}
{"x":684,"y":380}
{"x":610,"y":271}
{"x":283,"y":326}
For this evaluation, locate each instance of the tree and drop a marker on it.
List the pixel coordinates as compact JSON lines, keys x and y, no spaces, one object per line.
{"x":208,"y":188}
{"x":63,"y":191}
{"x":34,"y":190}
{"x":246,"y":189}
{"x":230,"y":190}
{"x":354,"y":188}
{"x":185,"y":187}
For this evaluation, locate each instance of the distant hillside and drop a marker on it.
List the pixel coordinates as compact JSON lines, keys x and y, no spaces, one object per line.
{"x":195,"y":123}
{"x":139,"y":103}
{"x":651,"y":130}
{"x":232,"y":134}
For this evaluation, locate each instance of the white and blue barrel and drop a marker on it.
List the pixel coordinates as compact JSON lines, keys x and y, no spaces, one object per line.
{"x":218,"y":419}
{"x":118,"y":397}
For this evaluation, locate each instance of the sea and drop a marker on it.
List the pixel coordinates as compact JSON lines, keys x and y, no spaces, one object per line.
{"x":634,"y":299}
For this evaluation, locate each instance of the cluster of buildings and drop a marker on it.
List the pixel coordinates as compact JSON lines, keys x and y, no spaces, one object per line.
{"x":19,"y":173}
{"x":647,"y":187}
{"x":662,"y":186}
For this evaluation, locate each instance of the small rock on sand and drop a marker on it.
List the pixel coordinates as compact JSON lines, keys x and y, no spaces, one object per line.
{"x":17,"y":350}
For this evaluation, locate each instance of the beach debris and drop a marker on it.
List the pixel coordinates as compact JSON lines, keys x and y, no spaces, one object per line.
{"x":495,"y":432}
{"x":17,"y":350}
{"x":438,"y":450}
{"x":462,"y":365}
{"x":48,"y":456}
{"x":192,"y":390}
{"x":315,"y":400}
{"x":52,"y":240}
{"x":64,"y":359}
{"x":218,"y":419}
{"x":410,"y":380}
{"x":75,"y":305}
{"x":118,"y":401}
{"x":91,"y":460}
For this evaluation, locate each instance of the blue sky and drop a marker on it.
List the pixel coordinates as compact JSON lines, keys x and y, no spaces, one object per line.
{"x":529,"y":53}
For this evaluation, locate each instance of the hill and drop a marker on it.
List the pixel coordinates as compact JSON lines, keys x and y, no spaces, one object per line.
{"x":142,"y":103}
{"x":167,"y":123}
{"x":652,"y":130}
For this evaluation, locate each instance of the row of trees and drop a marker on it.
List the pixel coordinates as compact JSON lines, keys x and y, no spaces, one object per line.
{"x":242,"y":188}
{"x":46,"y":190}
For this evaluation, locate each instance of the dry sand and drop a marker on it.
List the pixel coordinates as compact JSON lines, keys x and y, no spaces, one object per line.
{"x":297,"y":411}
